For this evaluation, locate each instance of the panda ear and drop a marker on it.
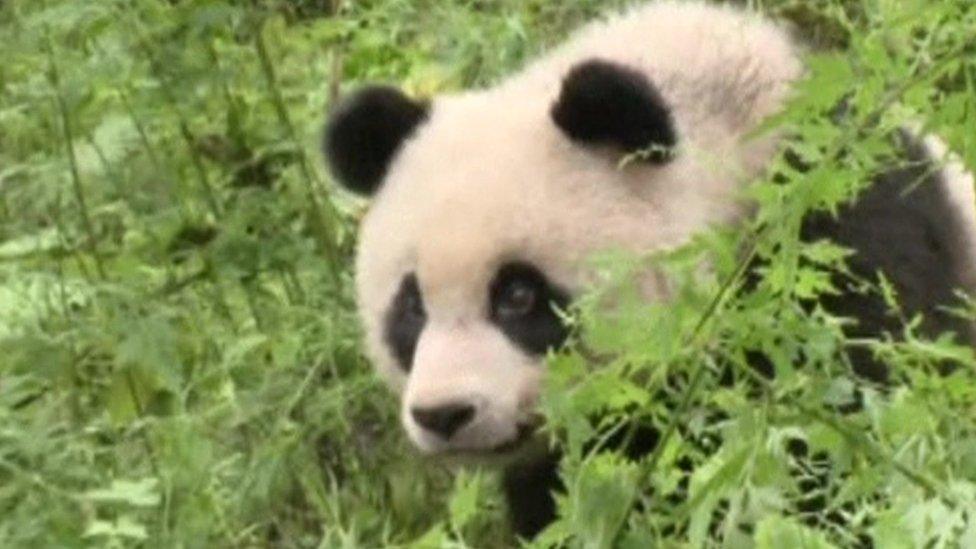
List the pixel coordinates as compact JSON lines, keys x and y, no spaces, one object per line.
{"x":363,"y":133}
{"x":604,"y":103}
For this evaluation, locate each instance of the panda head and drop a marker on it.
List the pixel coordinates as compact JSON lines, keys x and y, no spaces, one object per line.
{"x":485,"y":205}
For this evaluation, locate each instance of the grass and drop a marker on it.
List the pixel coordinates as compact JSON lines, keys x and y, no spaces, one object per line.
{"x":180,"y":361}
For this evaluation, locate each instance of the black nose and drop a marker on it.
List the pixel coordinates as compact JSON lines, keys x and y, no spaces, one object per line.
{"x":444,"y":420}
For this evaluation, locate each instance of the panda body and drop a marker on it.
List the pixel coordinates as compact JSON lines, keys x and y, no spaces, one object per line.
{"x":486,"y":202}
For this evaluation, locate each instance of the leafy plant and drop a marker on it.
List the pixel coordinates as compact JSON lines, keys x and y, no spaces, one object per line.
{"x":179,"y":353}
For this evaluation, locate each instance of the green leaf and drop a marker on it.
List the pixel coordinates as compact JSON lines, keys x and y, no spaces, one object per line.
{"x":890,"y":531}
{"x":435,"y":538}
{"x":599,"y":499}
{"x":463,"y":505}
{"x":138,"y":493}
{"x":124,"y":527}
{"x":776,"y":532}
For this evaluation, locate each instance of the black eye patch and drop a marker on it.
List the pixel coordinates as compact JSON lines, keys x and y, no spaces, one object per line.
{"x":405,"y":321}
{"x":521,"y":303}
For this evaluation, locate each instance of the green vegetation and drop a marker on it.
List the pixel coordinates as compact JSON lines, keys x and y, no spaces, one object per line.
{"x":179,"y":357}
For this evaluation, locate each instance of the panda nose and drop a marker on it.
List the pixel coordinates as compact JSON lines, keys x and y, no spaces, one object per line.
{"x":445,"y":420}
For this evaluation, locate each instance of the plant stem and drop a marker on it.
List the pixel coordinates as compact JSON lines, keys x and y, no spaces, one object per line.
{"x":54,"y":77}
{"x":930,"y":486}
{"x":196,"y":160}
{"x":140,"y":129}
{"x":701,"y":368}
{"x":141,"y":414}
{"x":322,"y":217}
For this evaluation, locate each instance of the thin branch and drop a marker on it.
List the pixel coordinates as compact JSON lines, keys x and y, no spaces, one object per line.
{"x":323,"y":216}
{"x":54,"y":77}
{"x":702,"y":367}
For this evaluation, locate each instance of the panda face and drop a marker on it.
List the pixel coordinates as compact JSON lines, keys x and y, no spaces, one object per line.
{"x":465,"y":259}
{"x":486,"y":204}
{"x":452,"y":402}
{"x":478,"y":236}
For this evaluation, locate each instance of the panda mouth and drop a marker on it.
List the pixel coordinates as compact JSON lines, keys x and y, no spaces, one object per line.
{"x":524,"y":432}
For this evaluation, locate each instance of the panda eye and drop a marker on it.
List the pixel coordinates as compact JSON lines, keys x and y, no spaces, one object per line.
{"x":522,"y":303}
{"x":517,"y":299}
{"x":405,"y":320}
{"x":412,"y":304}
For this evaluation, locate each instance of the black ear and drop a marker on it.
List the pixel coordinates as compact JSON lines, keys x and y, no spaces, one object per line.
{"x":609,"y":104}
{"x":364,"y":132}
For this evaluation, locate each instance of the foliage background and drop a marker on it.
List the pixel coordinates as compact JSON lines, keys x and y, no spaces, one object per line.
{"x":179,"y":356}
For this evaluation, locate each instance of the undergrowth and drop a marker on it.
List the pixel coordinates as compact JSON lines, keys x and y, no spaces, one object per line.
{"x":180,"y":362}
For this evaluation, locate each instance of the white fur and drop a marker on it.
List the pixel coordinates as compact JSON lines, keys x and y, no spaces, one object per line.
{"x":960,"y":188}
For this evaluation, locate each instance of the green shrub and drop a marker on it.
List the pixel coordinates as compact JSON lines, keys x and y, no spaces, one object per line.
{"x":179,"y":355}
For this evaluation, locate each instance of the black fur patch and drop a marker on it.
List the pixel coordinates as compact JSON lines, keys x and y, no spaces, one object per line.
{"x":365,"y":131}
{"x":530,"y":487}
{"x":529,"y":495}
{"x":610,"y":104}
{"x":405,"y":321}
{"x":539,"y":328}
{"x":903,"y":226}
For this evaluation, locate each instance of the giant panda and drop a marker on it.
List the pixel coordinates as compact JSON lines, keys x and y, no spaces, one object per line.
{"x":485,"y":202}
